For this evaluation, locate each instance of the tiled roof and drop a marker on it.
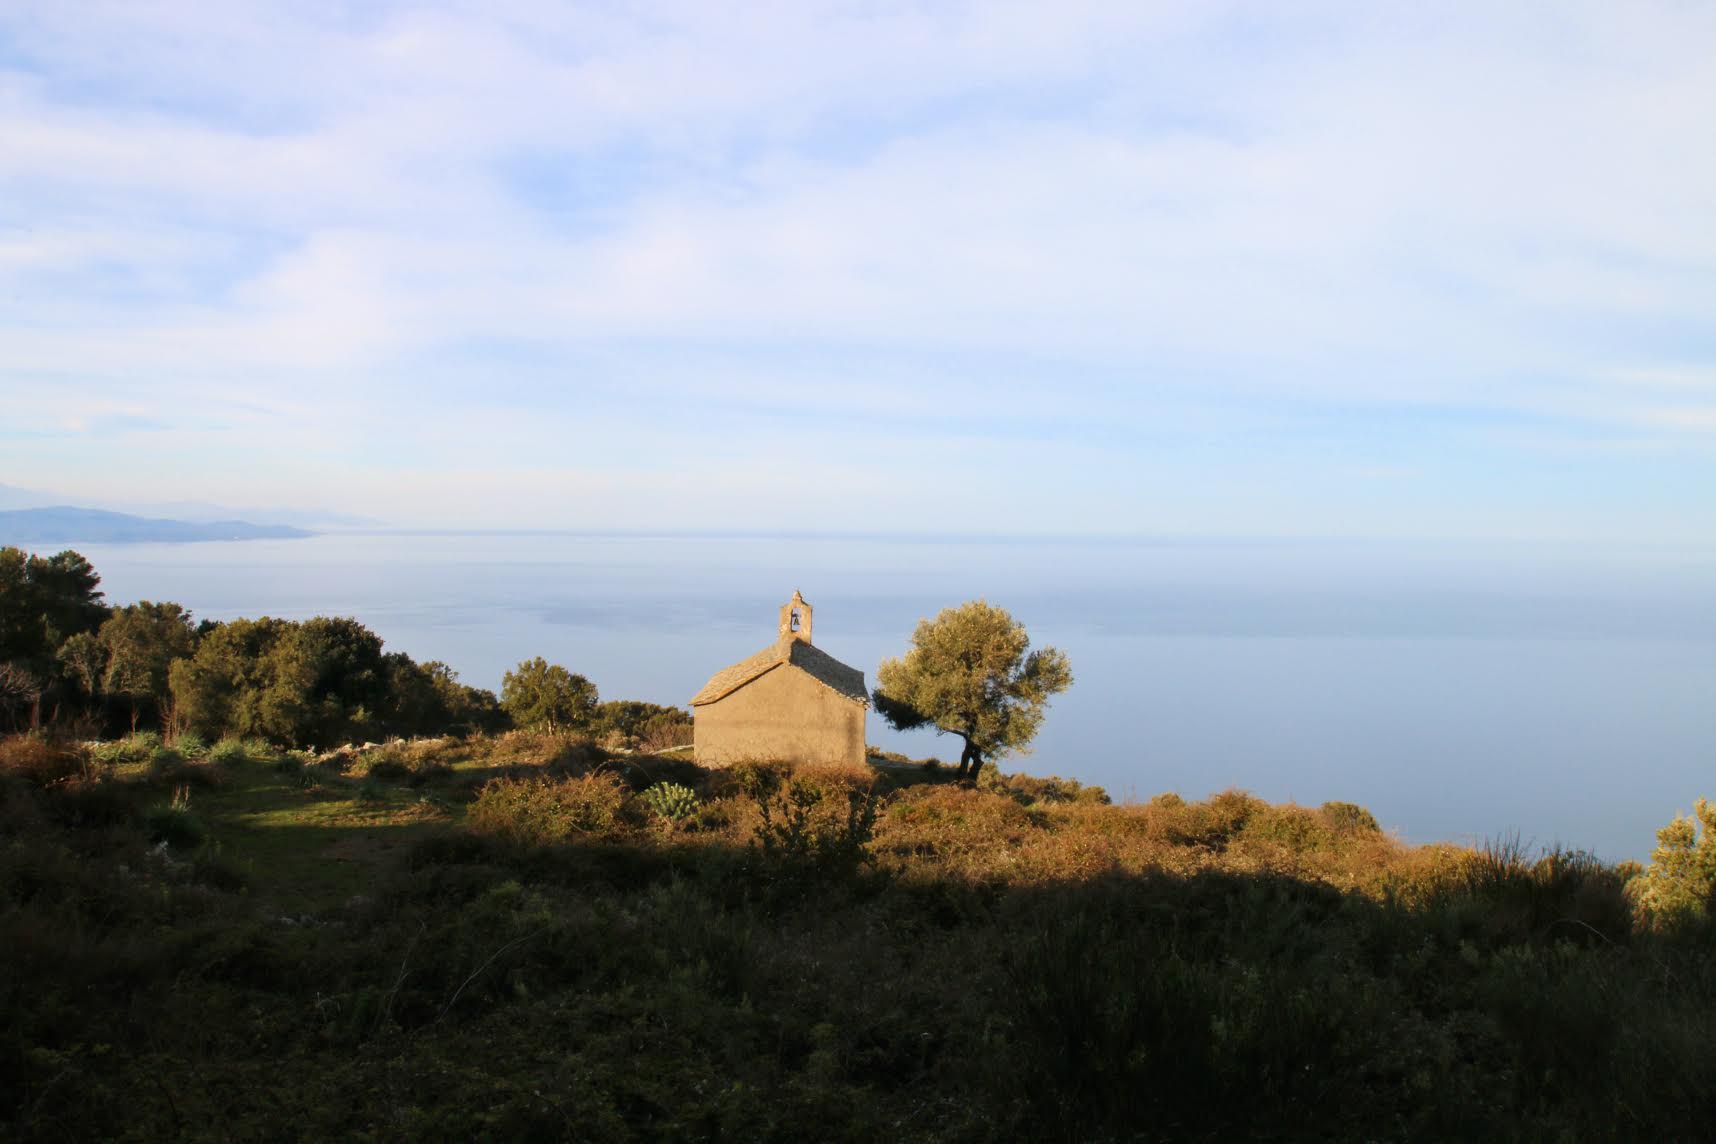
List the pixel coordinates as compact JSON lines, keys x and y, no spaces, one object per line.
{"x":817,"y":664}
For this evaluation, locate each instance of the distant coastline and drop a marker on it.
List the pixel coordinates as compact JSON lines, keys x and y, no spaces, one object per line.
{"x":62,"y":524}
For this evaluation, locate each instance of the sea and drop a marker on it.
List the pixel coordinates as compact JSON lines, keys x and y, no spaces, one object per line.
{"x":1553,"y":694}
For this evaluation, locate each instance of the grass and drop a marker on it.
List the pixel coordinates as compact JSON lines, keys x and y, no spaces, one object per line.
{"x":503,"y":938}
{"x":308,"y":849}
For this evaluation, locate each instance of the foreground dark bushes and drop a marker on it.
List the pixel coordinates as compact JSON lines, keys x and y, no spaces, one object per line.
{"x":788,"y":956}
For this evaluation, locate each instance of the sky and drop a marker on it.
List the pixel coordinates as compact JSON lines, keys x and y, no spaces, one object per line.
{"x":1367,"y":270}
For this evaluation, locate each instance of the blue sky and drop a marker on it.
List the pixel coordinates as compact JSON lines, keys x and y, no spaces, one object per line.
{"x":1373,"y":270}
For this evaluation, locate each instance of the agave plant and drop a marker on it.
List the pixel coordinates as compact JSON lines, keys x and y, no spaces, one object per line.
{"x":671,"y":801}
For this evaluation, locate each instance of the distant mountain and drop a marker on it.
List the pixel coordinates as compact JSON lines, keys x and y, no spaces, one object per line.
{"x":198,"y":512}
{"x":204,"y":512}
{"x":62,"y":523}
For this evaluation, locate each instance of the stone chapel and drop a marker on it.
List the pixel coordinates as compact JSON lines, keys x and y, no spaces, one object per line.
{"x":790,"y":702}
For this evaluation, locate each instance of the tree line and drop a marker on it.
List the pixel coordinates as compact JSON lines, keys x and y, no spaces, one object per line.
{"x":72,"y":662}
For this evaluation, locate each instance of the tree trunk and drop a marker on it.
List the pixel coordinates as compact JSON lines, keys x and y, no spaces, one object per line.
{"x":971,"y":757}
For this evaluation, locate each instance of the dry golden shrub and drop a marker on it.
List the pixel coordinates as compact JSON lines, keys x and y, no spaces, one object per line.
{"x":547,"y":812}
{"x":41,"y":760}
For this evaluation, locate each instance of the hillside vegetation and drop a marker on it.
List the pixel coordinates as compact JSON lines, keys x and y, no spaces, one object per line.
{"x":524,"y":937}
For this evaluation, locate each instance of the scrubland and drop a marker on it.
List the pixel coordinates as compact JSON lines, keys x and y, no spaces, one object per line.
{"x":527,"y":937}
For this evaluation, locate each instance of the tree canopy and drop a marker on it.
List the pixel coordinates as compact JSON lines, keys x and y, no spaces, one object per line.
{"x":44,"y":602}
{"x":138,"y":645}
{"x":633,"y":723}
{"x":971,"y":672}
{"x":71,"y":662}
{"x":427,"y":698}
{"x":537,"y":693}
{"x":318,"y":682}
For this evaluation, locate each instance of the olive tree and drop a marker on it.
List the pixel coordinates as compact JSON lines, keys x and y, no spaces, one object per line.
{"x":971,"y":672}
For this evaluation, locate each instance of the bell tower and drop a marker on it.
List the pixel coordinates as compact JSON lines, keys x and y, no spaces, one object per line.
{"x":795,"y":618}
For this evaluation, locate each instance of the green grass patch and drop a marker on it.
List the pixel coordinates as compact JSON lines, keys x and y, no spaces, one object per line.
{"x":311,"y":848}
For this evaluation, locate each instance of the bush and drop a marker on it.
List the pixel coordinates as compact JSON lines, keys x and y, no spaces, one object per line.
{"x":168,"y":767}
{"x":229,"y":752}
{"x":1294,"y":827}
{"x":1500,"y":894}
{"x":40,"y":760}
{"x":174,"y":823}
{"x":191,"y":745}
{"x":820,"y":817}
{"x":1678,"y":888}
{"x":665,"y":731}
{"x":548,"y":812}
{"x":132,"y":749}
{"x":1212,"y":824}
{"x":261,"y":749}
{"x":400,"y":761}
{"x":1030,"y":790}
{"x":392,"y":770}
{"x":648,"y":727}
{"x":163,"y":760}
{"x":1130,"y":1036}
{"x":1349,"y":818}
{"x":91,"y":804}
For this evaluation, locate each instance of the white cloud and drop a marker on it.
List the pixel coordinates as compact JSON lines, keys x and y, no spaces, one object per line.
{"x":282,"y":212}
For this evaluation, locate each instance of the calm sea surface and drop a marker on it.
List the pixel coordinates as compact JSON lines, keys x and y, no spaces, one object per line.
{"x":1565,"y":694}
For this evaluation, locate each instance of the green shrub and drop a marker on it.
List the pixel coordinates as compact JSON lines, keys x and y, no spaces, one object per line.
{"x":134,"y":748}
{"x":168,"y":767}
{"x":229,"y":753}
{"x":1212,"y":824}
{"x":399,"y":761}
{"x":1500,"y":894}
{"x":1132,"y":1031}
{"x":110,"y":753}
{"x":1030,"y":790}
{"x":191,"y":745}
{"x":665,"y":732}
{"x":163,"y":760}
{"x":392,"y":770}
{"x":1291,"y":826}
{"x":671,"y":801}
{"x":1350,"y":818}
{"x":547,"y":812}
{"x":819,"y":817}
{"x":174,"y":823}
{"x":1678,"y":888}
